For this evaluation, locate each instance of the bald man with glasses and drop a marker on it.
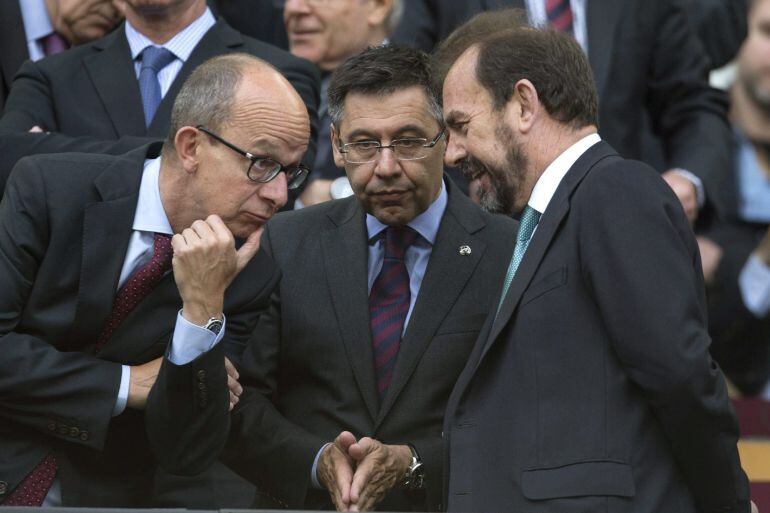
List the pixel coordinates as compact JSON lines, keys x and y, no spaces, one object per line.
{"x":382,"y":295}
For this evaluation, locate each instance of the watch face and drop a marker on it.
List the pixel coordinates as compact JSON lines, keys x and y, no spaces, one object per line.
{"x":214,"y":326}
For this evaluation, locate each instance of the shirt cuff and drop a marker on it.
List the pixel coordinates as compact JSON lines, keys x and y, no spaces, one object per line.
{"x":122,"y":400}
{"x":190,"y":340}
{"x":700,"y":192}
{"x":313,"y":475}
{"x":754,"y":282}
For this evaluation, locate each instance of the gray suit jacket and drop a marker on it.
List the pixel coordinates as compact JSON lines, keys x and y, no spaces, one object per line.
{"x":308,"y":370}
{"x":593,"y":389}
{"x":65,"y":224}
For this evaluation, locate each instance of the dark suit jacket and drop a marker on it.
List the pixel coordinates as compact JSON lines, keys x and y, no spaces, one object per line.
{"x":91,"y":90}
{"x":593,"y":390}
{"x":260,"y":19}
{"x":65,"y":224}
{"x":309,"y":372}
{"x":649,"y":69}
{"x":13,"y":45}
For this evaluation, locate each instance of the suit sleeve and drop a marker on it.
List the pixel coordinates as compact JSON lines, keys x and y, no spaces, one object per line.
{"x":29,"y":102}
{"x":641,"y":261}
{"x":38,"y":383}
{"x":687,"y":114}
{"x":265,"y":447}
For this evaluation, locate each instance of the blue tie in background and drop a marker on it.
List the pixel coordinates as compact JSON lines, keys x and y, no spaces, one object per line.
{"x":389,"y":303}
{"x":154,"y":59}
{"x":527,"y":224}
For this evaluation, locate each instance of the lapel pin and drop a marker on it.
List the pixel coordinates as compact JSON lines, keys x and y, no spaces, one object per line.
{"x":465,"y":250}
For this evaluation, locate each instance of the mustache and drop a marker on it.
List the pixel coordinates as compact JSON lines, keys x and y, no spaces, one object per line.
{"x":473,"y":169}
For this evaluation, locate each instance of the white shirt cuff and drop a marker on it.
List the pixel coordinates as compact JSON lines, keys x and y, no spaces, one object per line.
{"x":190,"y":341}
{"x":125,"y":381}
{"x":313,"y":475}
{"x":754,"y":281}
{"x":700,"y":192}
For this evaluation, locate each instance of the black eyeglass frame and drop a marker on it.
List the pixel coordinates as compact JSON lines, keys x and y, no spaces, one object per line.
{"x":295,"y":175}
{"x":430,"y":144}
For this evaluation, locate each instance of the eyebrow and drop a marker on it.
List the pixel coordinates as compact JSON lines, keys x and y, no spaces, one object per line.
{"x":398,"y":133}
{"x":455,"y":117}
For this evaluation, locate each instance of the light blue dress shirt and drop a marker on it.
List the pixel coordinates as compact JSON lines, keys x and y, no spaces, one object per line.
{"x":181,"y":45}
{"x":37,"y":25}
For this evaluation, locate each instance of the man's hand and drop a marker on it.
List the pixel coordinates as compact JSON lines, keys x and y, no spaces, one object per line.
{"x":710,"y":256}
{"x":142,"y":379}
{"x":685,"y":191}
{"x":379,"y":468}
{"x":232,"y":383}
{"x":205,"y":263}
{"x":335,"y":470}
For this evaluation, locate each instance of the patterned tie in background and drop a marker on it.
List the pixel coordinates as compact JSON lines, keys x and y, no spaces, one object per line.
{"x":559,"y":15}
{"x":389,"y":304}
{"x":53,"y":43}
{"x":154,"y":59}
{"x":33,"y":489}
{"x":527,"y":224}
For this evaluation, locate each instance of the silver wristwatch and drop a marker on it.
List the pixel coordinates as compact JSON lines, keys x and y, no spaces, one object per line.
{"x":414,"y":477}
{"x":214,"y":325}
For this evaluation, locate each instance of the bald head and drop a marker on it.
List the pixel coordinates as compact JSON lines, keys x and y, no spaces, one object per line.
{"x":234,"y":87}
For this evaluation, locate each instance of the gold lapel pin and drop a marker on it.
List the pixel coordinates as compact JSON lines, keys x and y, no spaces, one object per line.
{"x":465,"y":250}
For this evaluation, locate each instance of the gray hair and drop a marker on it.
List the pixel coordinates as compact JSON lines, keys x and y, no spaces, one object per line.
{"x":208,"y":95}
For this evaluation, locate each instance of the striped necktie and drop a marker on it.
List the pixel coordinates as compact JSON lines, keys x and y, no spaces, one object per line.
{"x":389,"y":303}
{"x":154,"y":59}
{"x":559,"y":15}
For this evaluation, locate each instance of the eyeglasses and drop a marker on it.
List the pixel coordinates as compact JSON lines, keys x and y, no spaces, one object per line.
{"x":262,"y":169}
{"x":408,"y":148}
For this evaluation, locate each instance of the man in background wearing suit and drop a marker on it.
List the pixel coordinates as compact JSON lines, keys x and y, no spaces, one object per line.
{"x":79,"y":358}
{"x":382,"y":295}
{"x":115,"y":93}
{"x":591,"y":387}
{"x":32,"y":29}
{"x":651,"y":74}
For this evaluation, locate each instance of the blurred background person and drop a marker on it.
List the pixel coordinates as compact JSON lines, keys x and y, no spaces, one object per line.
{"x":32,"y":29}
{"x":327,"y":32}
{"x":736,"y":252}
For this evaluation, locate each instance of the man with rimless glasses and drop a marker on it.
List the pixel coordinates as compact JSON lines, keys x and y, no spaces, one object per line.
{"x":382,"y":295}
{"x":110,"y":262}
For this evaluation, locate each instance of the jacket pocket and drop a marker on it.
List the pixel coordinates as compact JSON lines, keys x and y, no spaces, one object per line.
{"x":462,"y":324}
{"x":550,"y":281}
{"x":581,"y":479}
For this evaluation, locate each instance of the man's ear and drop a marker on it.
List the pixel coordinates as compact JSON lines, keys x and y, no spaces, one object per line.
{"x":187,"y":144}
{"x":523,"y":107}
{"x":339,"y":160}
{"x":379,"y":12}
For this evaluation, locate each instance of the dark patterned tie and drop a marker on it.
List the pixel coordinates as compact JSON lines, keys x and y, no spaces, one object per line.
{"x":559,"y":15}
{"x":53,"y":43}
{"x":138,"y":286}
{"x":154,"y":59}
{"x":33,"y":489}
{"x":389,"y":304}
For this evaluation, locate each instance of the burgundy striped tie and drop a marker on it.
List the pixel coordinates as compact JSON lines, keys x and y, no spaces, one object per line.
{"x":389,"y":304}
{"x":559,"y":15}
{"x":33,"y":489}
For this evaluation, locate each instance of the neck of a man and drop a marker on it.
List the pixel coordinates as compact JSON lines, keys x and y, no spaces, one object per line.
{"x":161,"y":24}
{"x":752,"y":119}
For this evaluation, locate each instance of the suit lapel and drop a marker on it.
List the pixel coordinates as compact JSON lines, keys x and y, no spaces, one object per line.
{"x":602,"y":19}
{"x":114,"y":78}
{"x":444,"y":281}
{"x":345,"y":255}
{"x":220,"y":39}
{"x":107,"y":227}
{"x":541,"y":240}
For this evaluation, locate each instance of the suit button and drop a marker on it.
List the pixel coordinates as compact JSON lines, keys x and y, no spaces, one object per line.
{"x":201,"y":375}
{"x":74,"y":432}
{"x":51,"y":426}
{"x":3,"y":487}
{"x":84,"y":435}
{"x":202,"y":386}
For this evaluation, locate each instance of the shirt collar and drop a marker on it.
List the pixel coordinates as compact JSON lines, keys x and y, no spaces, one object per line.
{"x":549,"y":181}
{"x":150,"y":216}
{"x":34,"y":16}
{"x":426,"y":224}
{"x":181,"y":45}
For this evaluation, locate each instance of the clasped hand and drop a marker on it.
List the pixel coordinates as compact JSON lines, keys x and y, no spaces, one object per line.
{"x":359,"y":473}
